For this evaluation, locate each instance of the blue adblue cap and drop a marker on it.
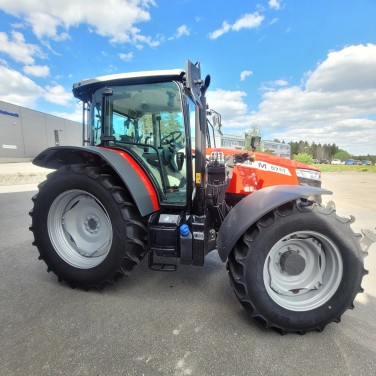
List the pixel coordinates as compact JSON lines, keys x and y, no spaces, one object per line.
{"x":184,"y":230}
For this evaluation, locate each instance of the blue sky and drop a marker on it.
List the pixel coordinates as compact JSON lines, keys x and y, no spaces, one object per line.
{"x":298,"y":69}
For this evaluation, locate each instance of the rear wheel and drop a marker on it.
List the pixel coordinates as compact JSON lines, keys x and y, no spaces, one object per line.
{"x":298,"y":268}
{"x":86,"y":227}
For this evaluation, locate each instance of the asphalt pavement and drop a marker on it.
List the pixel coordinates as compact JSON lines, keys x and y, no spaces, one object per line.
{"x":155,"y":323}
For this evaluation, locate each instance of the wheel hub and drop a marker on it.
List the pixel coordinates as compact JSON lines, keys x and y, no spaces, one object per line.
{"x":80,"y":229}
{"x":92,"y":224}
{"x":292,"y":262}
{"x":302,"y":270}
{"x":296,"y":266}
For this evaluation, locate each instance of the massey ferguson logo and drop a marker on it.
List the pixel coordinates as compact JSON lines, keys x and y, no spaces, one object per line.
{"x":259,"y":165}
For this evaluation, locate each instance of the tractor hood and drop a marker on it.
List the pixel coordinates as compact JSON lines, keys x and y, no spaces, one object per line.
{"x":264,"y":157}
{"x":282,"y":161}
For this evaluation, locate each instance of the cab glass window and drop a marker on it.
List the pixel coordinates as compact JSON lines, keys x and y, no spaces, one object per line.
{"x":147,"y":121}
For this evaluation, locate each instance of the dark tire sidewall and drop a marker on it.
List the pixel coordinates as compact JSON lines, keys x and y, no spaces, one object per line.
{"x":331,"y":310}
{"x":63,"y":182}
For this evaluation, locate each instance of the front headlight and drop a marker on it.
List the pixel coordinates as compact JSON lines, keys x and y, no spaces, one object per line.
{"x":308,"y":177}
{"x":308,"y":174}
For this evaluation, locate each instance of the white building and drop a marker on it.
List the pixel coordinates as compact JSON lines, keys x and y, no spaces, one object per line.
{"x":278,"y":148}
{"x":24,"y":132}
{"x":230,"y":141}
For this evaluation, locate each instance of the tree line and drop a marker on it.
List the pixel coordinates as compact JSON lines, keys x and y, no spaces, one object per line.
{"x":317,"y":151}
{"x":308,"y":151}
{"x":325,"y":151}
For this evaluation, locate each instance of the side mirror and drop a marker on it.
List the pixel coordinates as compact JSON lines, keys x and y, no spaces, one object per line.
{"x":194,"y":81}
{"x":217,"y":121}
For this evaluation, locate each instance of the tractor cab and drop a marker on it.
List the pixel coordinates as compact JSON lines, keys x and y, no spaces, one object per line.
{"x":148,"y":118}
{"x":150,"y":121}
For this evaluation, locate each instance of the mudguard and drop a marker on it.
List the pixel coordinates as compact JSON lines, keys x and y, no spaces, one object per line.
{"x":129,"y":171}
{"x":253,"y":207}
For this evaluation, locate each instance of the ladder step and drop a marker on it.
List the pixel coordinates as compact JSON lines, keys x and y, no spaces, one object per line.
{"x":157,"y":258}
{"x":163,"y":267}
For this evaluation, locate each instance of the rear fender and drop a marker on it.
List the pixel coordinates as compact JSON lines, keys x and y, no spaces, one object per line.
{"x":253,"y":207}
{"x":128,"y":170}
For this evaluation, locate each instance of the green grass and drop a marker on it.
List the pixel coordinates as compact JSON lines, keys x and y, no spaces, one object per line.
{"x":345,"y":168}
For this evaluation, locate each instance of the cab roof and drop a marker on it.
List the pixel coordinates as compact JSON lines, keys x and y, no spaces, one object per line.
{"x":84,"y":89}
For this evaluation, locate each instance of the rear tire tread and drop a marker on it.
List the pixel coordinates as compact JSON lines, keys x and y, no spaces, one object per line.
{"x":133,"y":224}
{"x":236,"y":264}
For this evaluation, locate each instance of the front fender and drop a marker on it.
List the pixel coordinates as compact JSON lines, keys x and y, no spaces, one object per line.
{"x":253,"y":207}
{"x":128,"y":170}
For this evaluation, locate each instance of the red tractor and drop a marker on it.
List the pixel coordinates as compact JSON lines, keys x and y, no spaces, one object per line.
{"x":135,"y":188}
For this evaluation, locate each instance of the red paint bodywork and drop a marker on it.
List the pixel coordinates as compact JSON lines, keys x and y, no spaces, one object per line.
{"x":142,"y":175}
{"x":265,"y":171}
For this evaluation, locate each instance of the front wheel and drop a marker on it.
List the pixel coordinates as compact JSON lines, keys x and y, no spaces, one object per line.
{"x":86,"y":227}
{"x":298,"y":268}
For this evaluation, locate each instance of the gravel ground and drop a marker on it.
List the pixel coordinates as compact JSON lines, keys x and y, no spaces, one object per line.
{"x":21,"y":173}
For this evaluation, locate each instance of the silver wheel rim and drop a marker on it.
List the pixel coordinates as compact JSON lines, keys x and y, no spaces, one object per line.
{"x":79,"y":229}
{"x":303,"y":271}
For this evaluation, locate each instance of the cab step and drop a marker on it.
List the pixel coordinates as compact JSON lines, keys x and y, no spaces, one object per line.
{"x":157,"y":257}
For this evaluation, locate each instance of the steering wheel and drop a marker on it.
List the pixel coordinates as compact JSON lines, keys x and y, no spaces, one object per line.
{"x":170,"y":148}
{"x":171,"y":137}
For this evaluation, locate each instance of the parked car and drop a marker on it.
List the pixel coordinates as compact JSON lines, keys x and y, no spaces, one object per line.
{"x":324,"y":161}
{"x":349,"y":162}
{"x":336,"y":161}
{"x":366,"y":162}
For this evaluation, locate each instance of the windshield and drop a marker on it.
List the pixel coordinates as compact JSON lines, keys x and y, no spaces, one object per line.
{"x":147,"y":121}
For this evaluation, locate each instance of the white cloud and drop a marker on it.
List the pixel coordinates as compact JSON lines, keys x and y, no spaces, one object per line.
{"x":37,"y":70}
{"x":225,"y":28}
{"x":46,"y":26}
{"x":53,"y":19}
{"x":352,"y":68}
{"x":139,"y":40}
{"x":126,"y":57}
{"x":18,"y":89}
{"x":17,"y":49}
{"x":58,"y":95}
{"x":281,"y":83}
{"x":182,"y":30}
{"x":76,"y":115}
{"x":245,"y":74}
{"x":275,"y":4}
{"x":337,"y":104}
{"x":247,"y":21}
{"x":273,"y":85}
{"x":273,"y":21}
{"x":230,"y":104}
